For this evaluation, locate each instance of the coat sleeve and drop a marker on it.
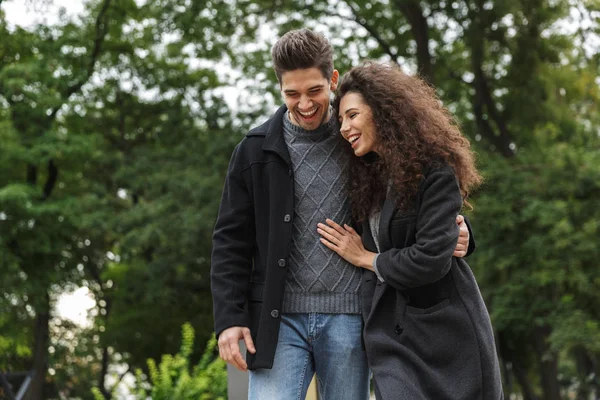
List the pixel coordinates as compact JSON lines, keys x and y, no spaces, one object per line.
{"x":233,"y":250}
{"x":429,"y":259}
{"x":472,"y":246}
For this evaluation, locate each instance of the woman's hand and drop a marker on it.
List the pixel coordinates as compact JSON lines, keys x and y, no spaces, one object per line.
{"x":347,"y":243}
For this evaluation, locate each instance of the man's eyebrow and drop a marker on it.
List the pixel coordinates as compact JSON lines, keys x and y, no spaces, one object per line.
{"x":309,"y":89}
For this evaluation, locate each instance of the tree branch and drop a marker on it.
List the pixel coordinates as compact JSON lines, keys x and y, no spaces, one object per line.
{"x":492,"y":108}
{"x":420,"y":29}
{"x":581,"y":32}
{"x":483,"y":96}
{"x":101,"y":30}
{"x":387,"y":49}
{"x":103,"y":372}
{"x":51,"y":180}
{"x":122,"y":376}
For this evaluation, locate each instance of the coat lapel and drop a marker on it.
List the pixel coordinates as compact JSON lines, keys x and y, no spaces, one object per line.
{"x":367,"y":237}
{"x":274,"y":140}
{"x":387,"y":211}
{"x":373,"y":289}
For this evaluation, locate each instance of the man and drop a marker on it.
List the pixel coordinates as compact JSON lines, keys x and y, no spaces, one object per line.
{"x":295,"y":303}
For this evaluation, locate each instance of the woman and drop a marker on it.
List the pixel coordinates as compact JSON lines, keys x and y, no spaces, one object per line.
{"x":427,"y":331}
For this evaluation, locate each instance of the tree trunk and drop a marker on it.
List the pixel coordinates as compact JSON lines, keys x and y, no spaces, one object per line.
{"x":105,"y":356}
{"x":585,"y":368}
{"x":420,"y":29}
{"x":484,"y":105}
{"x":40,"y":360}
{"x":51,"y":180}
{"x":103,"y":373}
{"x":521,"y":376}
{"x":518,"y":369}
{"x":548,"y":363}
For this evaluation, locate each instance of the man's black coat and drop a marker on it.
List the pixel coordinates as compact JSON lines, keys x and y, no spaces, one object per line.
{"x":252,"y":238}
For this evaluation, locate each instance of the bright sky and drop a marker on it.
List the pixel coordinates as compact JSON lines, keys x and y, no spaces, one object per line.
{"x":76,"y":306}
{"x":28,"y":13}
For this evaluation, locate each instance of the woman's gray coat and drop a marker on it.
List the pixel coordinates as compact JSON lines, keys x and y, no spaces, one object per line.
{"x":427,"y":331}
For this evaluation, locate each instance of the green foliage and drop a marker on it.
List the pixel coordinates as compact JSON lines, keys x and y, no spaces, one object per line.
{"x":116,"y":136}
{"x":537,"y":259}
{"x":173,"y":378}
{"x":97,"y":394}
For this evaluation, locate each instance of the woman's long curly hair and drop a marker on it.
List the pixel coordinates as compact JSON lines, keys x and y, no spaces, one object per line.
{"x":413,"y":132}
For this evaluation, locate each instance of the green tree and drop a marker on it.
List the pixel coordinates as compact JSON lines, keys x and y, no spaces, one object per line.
{"x":134,"y":161}
{"x":39,"y":71}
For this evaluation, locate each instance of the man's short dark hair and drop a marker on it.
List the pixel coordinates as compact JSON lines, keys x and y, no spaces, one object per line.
{"x":302,"y":49}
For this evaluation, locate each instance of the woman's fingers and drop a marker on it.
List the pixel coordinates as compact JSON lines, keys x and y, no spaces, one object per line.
{"x":330,"y":245}
{"x":327,"y":234}
{"x":335,"y":226}
{"x":350,"y":229}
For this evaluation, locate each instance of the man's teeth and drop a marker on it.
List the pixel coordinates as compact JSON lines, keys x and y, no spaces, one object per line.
{"x":308,"y":113}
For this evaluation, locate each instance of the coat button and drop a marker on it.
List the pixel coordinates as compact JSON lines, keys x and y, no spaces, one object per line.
{"x":275,"y":313}
{"x":399,"y":329}
{"x":290,"y":172}
{"x":287,"y":218}
{"x":281,"y":262}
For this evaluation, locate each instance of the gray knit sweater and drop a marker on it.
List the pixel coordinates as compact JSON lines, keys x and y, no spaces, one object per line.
{"x":318,"y":279}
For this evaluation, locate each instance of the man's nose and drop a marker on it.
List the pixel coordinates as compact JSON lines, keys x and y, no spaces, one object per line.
{"x":305,"y":103}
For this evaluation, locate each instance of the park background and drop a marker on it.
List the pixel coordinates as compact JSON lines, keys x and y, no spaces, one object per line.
{"x":117,"y":120}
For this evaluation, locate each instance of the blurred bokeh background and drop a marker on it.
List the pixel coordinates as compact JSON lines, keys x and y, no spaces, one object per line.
{"x":117,"y":120}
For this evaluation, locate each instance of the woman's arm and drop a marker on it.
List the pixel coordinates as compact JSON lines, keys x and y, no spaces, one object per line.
{"x":430,"y":257}
{"x":426,"y":261}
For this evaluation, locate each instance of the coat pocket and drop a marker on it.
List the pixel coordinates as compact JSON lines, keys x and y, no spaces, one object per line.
{"x":255,"y":305}
{"x":430,"y":298}
{"x":256,"y":292}
{"x":437,"y":307}
{"x":402,"y":219}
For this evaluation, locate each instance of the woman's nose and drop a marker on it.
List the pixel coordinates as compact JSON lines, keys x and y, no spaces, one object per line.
{"x":344,"y":128}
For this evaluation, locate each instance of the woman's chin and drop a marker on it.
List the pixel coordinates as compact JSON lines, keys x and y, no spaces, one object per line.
{"x":360,"y":152}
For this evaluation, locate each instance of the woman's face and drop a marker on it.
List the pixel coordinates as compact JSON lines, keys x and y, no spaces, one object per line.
{"x":356,"y":124}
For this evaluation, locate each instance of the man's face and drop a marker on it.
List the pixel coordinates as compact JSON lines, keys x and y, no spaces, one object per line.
{"x":306,"y":95}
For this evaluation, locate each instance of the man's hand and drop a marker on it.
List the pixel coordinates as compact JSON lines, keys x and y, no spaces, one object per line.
{"x":463,"y":238}
{"x":229,"y":347}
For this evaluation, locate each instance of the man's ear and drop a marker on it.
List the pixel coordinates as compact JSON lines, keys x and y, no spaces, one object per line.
{"x":334,"y":80}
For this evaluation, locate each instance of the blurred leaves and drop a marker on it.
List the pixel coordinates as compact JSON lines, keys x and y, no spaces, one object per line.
{"x":114,"y":152}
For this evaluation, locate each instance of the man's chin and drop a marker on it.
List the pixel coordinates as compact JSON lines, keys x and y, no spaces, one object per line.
{"x":315,"y":123}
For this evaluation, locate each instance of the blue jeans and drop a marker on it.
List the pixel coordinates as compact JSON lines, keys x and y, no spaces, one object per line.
{"x":328,"y":345}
